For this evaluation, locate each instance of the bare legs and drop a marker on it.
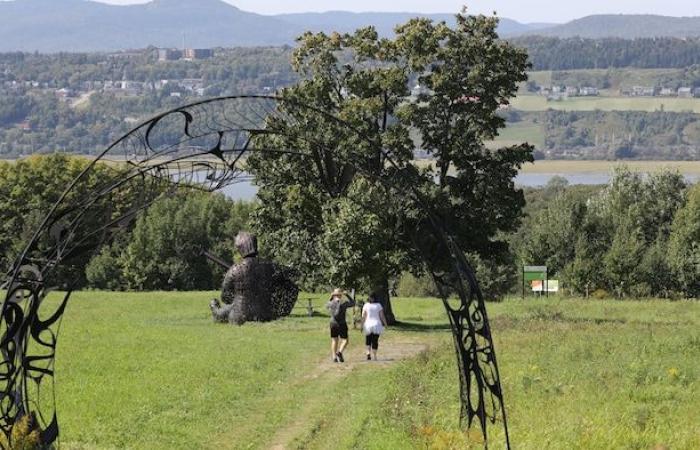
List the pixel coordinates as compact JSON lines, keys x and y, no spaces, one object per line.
{"x":373,"y":352}
{"x":334,"y":348}
{"x":343,"y":344}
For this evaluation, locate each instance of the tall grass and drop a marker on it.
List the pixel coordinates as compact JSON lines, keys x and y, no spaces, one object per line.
{"x":150,"y":371}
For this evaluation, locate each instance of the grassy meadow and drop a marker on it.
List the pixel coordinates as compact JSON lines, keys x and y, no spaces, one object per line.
{"x":649,"y":104}
{"x":151,"y":371}
{"x":517,"y":133}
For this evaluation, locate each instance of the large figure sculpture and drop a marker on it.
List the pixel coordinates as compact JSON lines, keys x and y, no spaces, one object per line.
{"x":254,"y":289}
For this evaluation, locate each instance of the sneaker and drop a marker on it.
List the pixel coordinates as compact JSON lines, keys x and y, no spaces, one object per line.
{"x":339,"y":356}
{"x":335,"y":360}
{"x":369,"y":357}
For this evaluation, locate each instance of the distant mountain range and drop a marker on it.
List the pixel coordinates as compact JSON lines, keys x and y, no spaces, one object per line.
{"x":343,"y":21}
{"x":83,"y":25}
{"x":627,"y":26}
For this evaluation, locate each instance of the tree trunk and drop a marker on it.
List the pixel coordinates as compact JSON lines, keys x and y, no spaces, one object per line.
{"x":381,"y":290}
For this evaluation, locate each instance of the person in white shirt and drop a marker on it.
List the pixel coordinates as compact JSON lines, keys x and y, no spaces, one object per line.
{"x":373,"y":323}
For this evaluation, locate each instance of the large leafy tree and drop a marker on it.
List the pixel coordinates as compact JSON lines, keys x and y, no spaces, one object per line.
{"x":164,"y":249}
{"x":28,"y":190}
{"x":327,"y":214}
{"x":684,"y":245}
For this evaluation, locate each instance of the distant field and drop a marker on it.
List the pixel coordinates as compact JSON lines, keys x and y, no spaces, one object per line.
{"x":539,"y":103}
{"x":150,"y":371}
{"x":517,"y":133}
{"x":575,"y":167}
{"x":615,"y":78}
{"x":542,"y":78}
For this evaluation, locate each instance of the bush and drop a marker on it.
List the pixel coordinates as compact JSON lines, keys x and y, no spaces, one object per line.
{"x":105,"y":271}
{"x":421,"y":286}
{"x":600,"y":294}
{"x":25,"y":435}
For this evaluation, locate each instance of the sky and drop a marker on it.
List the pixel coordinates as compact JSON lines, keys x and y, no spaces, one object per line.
{"x":521,"y":10}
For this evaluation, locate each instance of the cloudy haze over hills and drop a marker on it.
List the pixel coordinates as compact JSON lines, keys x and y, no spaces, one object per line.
{"x":81,"y":25}
{"x":522,"y":11}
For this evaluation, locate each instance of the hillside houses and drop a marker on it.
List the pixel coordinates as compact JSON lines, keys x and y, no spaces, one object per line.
{"x":561,"y":92}
{"x":655,"y":91}
{"x":188,"y":54}
{"x":685,"y":92}
{"x":122,"y":88}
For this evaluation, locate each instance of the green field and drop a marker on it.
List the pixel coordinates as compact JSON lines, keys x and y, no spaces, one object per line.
{"x":519,"y":132}
{"x":150,"y":371}
{"x":649,"y":104}
{"x":615,"y":78}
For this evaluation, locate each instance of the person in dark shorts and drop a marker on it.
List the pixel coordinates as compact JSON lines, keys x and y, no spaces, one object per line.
{"x":337,"y":306}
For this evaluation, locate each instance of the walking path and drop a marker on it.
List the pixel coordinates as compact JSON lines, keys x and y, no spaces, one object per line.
{"x":310,"y":415}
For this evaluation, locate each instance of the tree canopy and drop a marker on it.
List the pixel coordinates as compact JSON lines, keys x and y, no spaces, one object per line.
{"x":342,"y":214}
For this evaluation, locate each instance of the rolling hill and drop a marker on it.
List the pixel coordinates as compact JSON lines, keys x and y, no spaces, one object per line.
{"x":78,"y":25}
{"x":81,"y":25}
{"x":624,"y":26}
{"x":343,"y":21}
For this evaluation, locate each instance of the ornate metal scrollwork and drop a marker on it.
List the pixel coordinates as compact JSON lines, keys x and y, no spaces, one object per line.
{"x":199,"y":146}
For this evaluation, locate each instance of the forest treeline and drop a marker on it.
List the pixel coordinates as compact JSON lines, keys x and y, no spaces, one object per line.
{"x":638,"y":236}
{"x":551,"y":53}
{"x":615,"y":135}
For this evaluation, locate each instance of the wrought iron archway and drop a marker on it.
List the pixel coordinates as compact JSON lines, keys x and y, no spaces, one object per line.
{"x":201,"y":146}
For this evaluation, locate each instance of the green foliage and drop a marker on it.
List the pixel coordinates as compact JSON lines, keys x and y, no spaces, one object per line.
{"x":620,"y":238}
{"x":550,"y":53}
{"x":356,"y":244}
{"x":636,"y":134}
{"x":621,"y":78}
{"x":161,"y":251}
{"x":684,"y":245}
{"x":327,"y":215}
{"x":496,"y":277}
{"x":552,"y":232}
{"x":164,"y":250}
{"x":623,"y":257}
{"x":28,"y":189}
{"x":410,"y":285}
{"x":585,"y":271}
{"x":104,"y":271}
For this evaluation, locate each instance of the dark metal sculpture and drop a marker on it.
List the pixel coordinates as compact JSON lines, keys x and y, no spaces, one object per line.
{"x":254,"y":289}
{"x":200,"y":146}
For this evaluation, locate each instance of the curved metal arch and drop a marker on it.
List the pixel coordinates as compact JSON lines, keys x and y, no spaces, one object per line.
{"x":201,"y":146}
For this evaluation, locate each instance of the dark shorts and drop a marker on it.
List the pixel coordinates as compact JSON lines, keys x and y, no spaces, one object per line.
{"x":372,"y":340}
{"x":339,"y":330}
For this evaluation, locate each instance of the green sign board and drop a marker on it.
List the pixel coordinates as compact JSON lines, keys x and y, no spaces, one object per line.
{"x":532,"y":273}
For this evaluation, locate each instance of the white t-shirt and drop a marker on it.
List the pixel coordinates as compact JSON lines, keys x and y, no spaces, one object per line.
{"x":373,"y":321}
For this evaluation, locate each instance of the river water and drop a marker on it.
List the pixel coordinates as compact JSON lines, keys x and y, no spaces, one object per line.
{"x":247,"y":190}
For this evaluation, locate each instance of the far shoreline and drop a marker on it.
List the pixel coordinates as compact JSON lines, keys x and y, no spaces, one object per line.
{"x":556,"y":166}
{"x":547,"y":166}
